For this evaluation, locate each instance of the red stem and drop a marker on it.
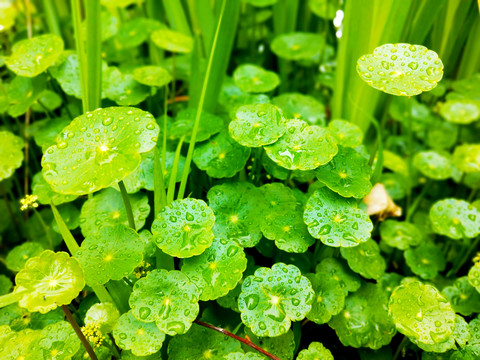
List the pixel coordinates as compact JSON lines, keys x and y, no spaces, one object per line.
{"x":246,"y":340}
{"x":79,"y":333}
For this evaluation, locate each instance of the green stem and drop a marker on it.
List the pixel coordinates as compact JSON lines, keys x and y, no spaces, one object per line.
{"x":173,"y":175}
{"x":257,"y":165}
{"x":11,"y":298}
{"x":79,"y":333}
{"x":410,"y":150}
{"x":51,"y":17}
{"x":224,"y":24}
{"x":99,"y":290}
{"x":463,"y":259}
{"x":472,"y":195}
{"x":45,"y":227}
{"x":411,"y":210}
{"x":400,"y":348}
{"x":128,"y":206}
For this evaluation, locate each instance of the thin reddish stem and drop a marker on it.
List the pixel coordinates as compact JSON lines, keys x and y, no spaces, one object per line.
{"x":245,"y":341}
{"x":79,"y":333}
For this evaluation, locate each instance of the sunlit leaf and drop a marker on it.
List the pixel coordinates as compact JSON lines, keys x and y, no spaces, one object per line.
{"x":401,"y":69}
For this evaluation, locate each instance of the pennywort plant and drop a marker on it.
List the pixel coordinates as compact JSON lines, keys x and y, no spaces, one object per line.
{"x":193,"y":180}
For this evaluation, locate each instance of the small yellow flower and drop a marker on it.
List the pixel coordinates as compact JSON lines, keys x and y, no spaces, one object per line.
{"x":93,"y":334}
{"x":29,"y":202}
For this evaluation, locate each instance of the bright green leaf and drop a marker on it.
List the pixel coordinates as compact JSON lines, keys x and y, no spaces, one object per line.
{"x":111,"y":253}
{"x":184,"y":228}
{"x":169,"y":299}
{"x":401,"y":69}
{"x":115,"y":139}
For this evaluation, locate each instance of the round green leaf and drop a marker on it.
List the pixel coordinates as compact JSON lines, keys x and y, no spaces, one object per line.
{"x":140,"y":337}
{"x":31,"y":57}
{"x":230,"y":301}
{"x":401,"y":69}
{"x":303,"y":147}
{"x":103,"y":314}
{"x":152,"y":75}
{"x":335,"y":220}
{"x":242,"y":356}
{"x":50,"y":280}
{"x":463,"y":297}
{"x":315,"y":351}
{"x":282,"y":346}
{"x":303,"y":107}
{"x":106,"y":208}
{"x":19,"y":318}
{"x":400,"y":234}
{"x":474,"y":276}
{"x":123,"y":88}
{"x":173,"y":41}
{"x":58,"y":342}
{"x":257,"y":125}
{"x":420,"y":312}
{"x":50,"y":101}
{"x":98,"y":149}
{"x":231,"y":98}
{"x":282,"y":219}
{"x":281,"y":173}
{"x":11,"y":153}
{"x":134,"y":32}
{"x":455,"y":219}
{"x":348,"y":174}
{"x":184,"y":122}
{"x":467,"y":158}
{"x":221,"y":156}
{"x":289,"y":231}
{"x":18,"y":256}
{"x":346,"y":133}
{"x":111,"y":253}
{"x":326,"y":9}
{"x":201,"y":343}
{"x":45,"y":131}
{"x":395,"y":184}
{"x":340,"y":272}
{"x":272,"y":298}
{"x":329,"y":298}
{"x":254,"y":79}
{"x":67,"y":75}
{"x":365,"y":322}
{"x":169,"y":299}
{"x":425,"y":260}
{"x":184,"y":228}
{"x":365,"y":259}
{"x":298,"y":46}
{"x":442,"y":136}
{"x":460,"y":111}
{"x":22,"y":93}
{"x":45,"y":193}
{"x":433,"y":165}
{"x":237,"y":214}
{"x":22,"y":344}
{"x":217,"y":270}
